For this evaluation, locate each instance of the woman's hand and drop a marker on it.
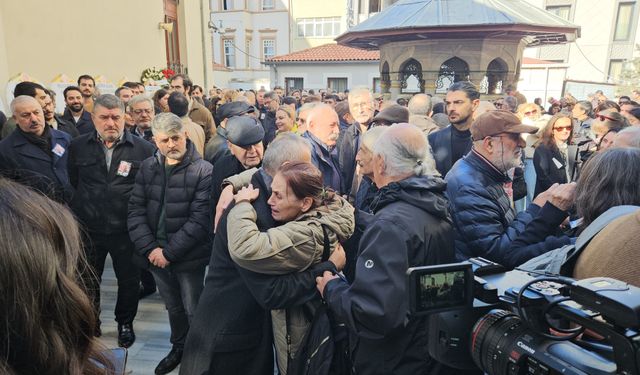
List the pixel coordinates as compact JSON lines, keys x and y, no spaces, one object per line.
{"x":248,"y":194}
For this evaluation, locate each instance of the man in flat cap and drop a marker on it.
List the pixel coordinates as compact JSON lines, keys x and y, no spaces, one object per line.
{"x":217,"y":147}
{"x":244,"y":141}
{"x":479,"y":188}
{"x":393,"y":114}
{"x":170,"y":225}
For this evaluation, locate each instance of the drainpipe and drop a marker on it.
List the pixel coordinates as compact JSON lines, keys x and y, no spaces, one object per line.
{"x":205,"y":64}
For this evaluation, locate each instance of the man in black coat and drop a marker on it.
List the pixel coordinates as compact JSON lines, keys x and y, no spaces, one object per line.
{"x":27,"y":88}
{"x":75,"y":112}
{"x":231,"y":330}
{"x":268,"y":116}
{"x":56,"y":121}
{"x":244,"y":140}
{"x":34,"y":154}
{"x":480,"y":194}
{"x":411,"y":228}
{"x":170,"y":225}
{"x":102,"y":168}
{"x":453,"y":142}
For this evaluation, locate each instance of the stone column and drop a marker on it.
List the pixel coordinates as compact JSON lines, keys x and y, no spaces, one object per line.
{"x":395,"y":89}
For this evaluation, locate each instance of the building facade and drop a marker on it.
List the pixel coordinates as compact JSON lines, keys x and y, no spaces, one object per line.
{"x":114,"y":40}
{"x":332,"y":66}
{"x":610,"y":36}
{"x":247,"y":33}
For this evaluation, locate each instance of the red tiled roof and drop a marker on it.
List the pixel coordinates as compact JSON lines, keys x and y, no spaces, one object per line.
{"x":531,"y":61}
{"x":328,"y":52}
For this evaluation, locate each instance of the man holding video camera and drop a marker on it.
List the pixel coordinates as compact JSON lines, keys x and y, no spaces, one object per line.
{"x":479,"y":188}
{"x":411,"y":228}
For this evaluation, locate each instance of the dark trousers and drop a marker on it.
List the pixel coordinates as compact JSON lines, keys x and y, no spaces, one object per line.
{"x":180,"y":292}
{"x":147,"y":280}
{"x":120,"y":248}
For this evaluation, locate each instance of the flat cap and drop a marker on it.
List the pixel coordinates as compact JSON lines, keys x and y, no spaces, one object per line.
{"x":393,"y":114}
{"x":232,"y":109}
{"x":496,"y":122}
{"x":244,"y":131}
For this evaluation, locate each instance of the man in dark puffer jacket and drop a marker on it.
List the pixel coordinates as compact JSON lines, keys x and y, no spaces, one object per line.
{"x":480,"y":196}
{"x":169,"y":223}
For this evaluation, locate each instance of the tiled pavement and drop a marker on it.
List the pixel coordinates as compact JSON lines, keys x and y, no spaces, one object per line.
{"x":151,"y":327}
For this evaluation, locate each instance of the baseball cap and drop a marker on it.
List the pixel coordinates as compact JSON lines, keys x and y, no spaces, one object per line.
{"x":496,"y":122}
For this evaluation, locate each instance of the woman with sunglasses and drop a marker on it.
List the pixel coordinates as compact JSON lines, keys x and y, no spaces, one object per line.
{"x":553,"y":158}
{"x":605,"y":127}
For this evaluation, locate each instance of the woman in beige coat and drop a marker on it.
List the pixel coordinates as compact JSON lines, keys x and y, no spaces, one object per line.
{"x":299,"y":201}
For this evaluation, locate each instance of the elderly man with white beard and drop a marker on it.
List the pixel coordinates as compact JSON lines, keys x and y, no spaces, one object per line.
{"x":322,"y":132}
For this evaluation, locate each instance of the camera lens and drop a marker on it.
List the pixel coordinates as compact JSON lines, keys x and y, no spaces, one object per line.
{"x":493,"y":339}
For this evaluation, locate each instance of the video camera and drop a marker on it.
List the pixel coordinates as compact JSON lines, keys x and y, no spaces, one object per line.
{"x":519,"y":322}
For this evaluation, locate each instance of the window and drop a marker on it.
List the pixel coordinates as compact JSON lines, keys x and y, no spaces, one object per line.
{"x":374,"y":6}
{"x":624,"y":21}
{"x":560,"y":11}
{"x":293,"y":84}
{"x":229,"y":53}
{"x":318,"y":27}
{"x":377,"y":88}
{"x":337,"y":84}
{"x":268,"y":48}
{"x":268,"y":4}
{"x":361,"y":6}
{"x":615,"y":69}
{"x":227,"y":4}
{"x":247,"y":50}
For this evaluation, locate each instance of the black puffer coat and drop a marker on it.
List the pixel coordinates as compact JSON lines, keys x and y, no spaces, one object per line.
{"x":185,"y":194}
{"x":485,"y":223}
{"x":411,"y":228}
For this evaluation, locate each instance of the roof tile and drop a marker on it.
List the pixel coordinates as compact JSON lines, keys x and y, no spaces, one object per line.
{"x":328,"y":52}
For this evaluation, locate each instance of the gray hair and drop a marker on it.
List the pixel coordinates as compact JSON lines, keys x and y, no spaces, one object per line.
{"x":628,"y":137}
{"x":166,"y":123}
{"x":360,"y":90}
{"x":406,"y":151}
{"x":370,"y":137}
{"x":139,"y":99}
{"x":108,"y":101}
{"x":22,"y":99}
{"x":420,"y":104}
{"x":286,"y":147}
{"x":308,"y":106}
{"x":512,"y":102}
{"x":317,"y":110}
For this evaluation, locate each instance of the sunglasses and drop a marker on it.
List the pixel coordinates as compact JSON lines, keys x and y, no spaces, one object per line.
{"x":603,"y":117}
{"x":561,"y":128}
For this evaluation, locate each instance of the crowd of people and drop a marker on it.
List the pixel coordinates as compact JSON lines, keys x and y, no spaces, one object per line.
{"x":252,"y":212}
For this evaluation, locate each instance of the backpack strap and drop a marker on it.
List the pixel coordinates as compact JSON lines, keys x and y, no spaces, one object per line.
{"x":592,"y":230}
{"x":326,"y":252}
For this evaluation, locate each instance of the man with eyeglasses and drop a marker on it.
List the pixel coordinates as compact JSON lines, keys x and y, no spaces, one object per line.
{"x":361,"y":107}
{"x":142,"y":114}
{"x":102,"y":168}
{"x":480,"y":192}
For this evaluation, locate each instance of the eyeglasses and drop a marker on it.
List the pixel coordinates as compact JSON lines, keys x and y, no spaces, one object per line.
{"x":561,"y":128}
{"x":141,"y":111}
{"x":603,"y":117}
{"x":531,"y":112}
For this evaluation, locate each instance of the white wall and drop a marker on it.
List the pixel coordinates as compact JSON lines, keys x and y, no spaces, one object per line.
{"x":315,"y":75}
{"x":541,"y":82}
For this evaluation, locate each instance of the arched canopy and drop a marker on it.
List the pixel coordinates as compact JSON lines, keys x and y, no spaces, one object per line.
{"x":453,"y":70}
